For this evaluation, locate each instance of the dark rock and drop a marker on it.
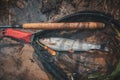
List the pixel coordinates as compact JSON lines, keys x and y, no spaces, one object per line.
{"x":49,"y":5}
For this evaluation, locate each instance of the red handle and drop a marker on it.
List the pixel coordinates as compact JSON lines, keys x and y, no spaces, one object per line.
{"x":17,"y":34}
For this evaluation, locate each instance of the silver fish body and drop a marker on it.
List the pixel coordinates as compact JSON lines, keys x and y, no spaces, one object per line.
{"x":63,"y":44}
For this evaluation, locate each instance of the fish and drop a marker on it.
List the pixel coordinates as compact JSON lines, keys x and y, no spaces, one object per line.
{"x":64,"y":44}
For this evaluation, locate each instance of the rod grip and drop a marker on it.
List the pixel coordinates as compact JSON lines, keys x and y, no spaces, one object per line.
{"x":64,"y":25}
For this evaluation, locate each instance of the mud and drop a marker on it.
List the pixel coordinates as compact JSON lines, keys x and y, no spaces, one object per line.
{"x":18,"y":62}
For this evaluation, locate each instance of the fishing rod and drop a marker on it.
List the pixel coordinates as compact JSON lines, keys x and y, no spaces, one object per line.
{"x":84,"y":20}
{"x":56,"y":25}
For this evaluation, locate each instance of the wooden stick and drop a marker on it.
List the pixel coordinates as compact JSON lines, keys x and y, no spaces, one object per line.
{"x":64,"y":25}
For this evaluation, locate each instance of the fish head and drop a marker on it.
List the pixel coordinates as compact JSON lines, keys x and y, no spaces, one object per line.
{"x":44,"y":40}
{"x":48,"y":41}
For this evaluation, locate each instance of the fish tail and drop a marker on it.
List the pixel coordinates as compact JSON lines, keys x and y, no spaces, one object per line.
{"x":104,"y":46}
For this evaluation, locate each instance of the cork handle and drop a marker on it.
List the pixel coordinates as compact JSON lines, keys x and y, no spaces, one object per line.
{"x":63,"y":25}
